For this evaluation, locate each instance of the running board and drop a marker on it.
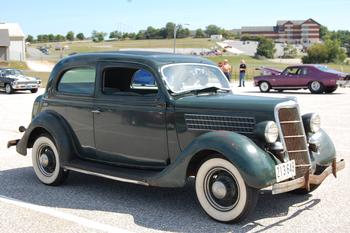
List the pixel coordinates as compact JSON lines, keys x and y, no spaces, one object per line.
{"x":129,"y":175}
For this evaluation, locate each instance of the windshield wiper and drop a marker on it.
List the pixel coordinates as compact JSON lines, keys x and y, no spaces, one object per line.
{"x":203,"y":90}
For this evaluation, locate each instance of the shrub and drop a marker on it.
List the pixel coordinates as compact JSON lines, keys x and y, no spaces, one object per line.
{"x":328,"y":52}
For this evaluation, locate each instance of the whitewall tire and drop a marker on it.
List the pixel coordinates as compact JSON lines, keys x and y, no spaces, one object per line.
{"x":46,"y":161}
{"x":222,"y":192}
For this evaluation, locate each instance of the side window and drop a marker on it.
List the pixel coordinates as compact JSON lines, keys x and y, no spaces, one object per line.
{"x":303,"y":71}
{"x":291,"y":71}
{"x":128,"y":81}
{"x":78,"y":81}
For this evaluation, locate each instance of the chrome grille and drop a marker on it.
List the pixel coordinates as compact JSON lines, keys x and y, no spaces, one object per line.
{"x":293,"y":137}
{"x":27,"y":82}
{"x":244,"y":125}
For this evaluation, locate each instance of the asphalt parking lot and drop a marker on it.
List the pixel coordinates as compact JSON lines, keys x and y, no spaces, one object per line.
{"x":92,"y":204}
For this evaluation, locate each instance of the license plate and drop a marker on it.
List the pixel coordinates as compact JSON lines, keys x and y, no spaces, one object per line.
{"x":285,"y":170}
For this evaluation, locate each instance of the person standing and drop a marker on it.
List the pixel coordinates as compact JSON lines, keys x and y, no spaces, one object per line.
{"x":226,"y":68}
{"x":242,"y":69}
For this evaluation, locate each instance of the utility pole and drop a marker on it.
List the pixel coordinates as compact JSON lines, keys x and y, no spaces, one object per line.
{"x":176,"y":26}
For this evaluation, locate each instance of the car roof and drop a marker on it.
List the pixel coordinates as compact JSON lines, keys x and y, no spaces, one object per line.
{"x":154,"y":58}
{"x":304,"y":65}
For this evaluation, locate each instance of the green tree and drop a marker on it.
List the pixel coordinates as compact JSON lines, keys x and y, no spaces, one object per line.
{"x":227,"y":34}
{"x":51,"y":38}
{"x":70,"y":36}
{"x":30,"y":39}
{"x":199,"y":33}
{"x":59,"y":38}
{"x":115,"y":35}
{"x":328,"y":52}
{"x":213,"y":30}
{"x":98,"y":36}
{"x":323,"y":32}
{"x":80,"y":36}
{"x":266,"y":48}
{"x":169,"y":28}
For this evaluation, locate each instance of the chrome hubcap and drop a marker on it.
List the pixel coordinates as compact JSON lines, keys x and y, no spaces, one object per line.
{"x":46,"y":160}
{"x":315,"y":85}
{"x":264,"y":86}
{"x":219,"y":190}
{"x":8,"y":88}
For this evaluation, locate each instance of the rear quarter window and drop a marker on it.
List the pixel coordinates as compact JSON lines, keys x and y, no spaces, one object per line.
{"x":79,"y":81}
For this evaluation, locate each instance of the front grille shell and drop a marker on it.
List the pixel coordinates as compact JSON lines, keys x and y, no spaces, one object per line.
{"x":292,"y":136}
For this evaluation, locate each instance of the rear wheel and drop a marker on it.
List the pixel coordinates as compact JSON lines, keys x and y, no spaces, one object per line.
{"x":264,"y":86}
{"x":316,"y":87}
{"x":222,"y":192}
{"x":46,"y":162}
{"x":8,"y":89}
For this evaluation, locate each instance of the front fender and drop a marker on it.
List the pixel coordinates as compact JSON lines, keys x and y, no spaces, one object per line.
{"x":52,"y":123}
{"x":256,"y":166}
{"x":326,"y":150}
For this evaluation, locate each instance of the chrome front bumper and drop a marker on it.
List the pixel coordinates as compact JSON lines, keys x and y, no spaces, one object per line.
{"x":304,"y":182}
{"x":343,"y":83}
{"x":25,"y":86}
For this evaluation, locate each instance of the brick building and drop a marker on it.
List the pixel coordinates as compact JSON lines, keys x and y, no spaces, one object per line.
{"x":304,"y":32}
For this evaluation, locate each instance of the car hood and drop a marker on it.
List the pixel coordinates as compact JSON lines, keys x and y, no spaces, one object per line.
{"x":22,"y":78}
{"x":195,"y":115}
{"x":229,"y":103}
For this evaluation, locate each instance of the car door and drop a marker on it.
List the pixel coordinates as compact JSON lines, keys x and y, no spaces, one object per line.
{"x":290,"y":78}
{"x":303,"y":76}
{"x":73,"y":98}
{"x":129,"y":117}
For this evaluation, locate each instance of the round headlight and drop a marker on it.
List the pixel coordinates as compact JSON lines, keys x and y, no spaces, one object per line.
{"x":315,"y":123}
{"x":271,"y":132}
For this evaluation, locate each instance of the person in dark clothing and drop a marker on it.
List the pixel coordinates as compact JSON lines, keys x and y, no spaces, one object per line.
{"x":242,"y":69}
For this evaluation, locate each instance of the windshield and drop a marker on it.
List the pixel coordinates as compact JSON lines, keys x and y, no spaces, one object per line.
{"x":13,"y":72}
{"x":186,"y":77}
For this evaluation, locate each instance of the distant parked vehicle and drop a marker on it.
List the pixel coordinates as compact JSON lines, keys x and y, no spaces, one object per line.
{"x":317,"y":78}
{"x":12,"y":80}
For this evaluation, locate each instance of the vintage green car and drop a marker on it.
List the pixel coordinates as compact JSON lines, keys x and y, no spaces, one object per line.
{"x":157,"y":119}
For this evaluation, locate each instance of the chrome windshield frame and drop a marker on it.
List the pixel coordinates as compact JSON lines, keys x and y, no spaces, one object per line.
{"x":190,"y":64}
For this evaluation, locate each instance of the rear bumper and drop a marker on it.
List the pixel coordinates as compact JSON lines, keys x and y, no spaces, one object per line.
{"x":304,"y":182}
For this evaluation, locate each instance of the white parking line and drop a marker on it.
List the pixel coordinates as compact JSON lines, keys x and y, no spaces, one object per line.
{"x":65,"y":216}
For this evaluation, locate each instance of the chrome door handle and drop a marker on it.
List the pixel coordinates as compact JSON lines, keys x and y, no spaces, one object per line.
{"x":96,"y":111}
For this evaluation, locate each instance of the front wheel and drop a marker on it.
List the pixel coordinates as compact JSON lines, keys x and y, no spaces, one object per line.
{"x":8,"y":89}
{"x":316,"y":87}
{"x":264,"y":86}
{"x":46,"y":162}
{"x":222,"y":192}
{"x":34,"y":90}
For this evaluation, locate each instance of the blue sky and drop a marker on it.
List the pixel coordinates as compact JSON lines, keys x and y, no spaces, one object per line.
{"x":39,"y":16}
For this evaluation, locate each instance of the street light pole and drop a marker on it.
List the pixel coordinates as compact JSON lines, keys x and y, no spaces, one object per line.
{"x":175,"y":30}
{"x":176,"y":26}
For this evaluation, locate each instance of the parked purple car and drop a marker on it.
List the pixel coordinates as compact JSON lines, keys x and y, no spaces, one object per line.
{"x":316,"y":78}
